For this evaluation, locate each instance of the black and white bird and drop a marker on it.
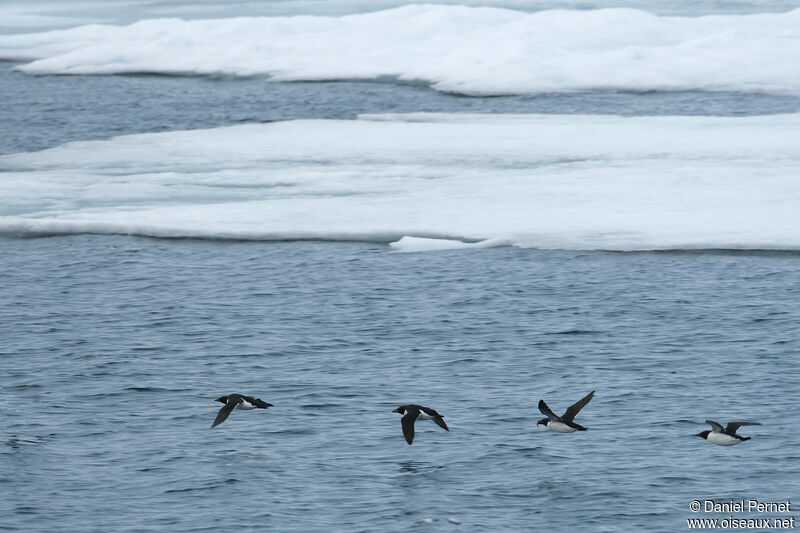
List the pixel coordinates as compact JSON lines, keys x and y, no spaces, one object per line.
{"x":563,"y":423}
{"x":725,"y":436}
{"x":237,"y":401}
{"x":411,"y":413}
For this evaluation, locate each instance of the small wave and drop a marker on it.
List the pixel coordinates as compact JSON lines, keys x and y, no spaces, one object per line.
{"x":573,"y":332}
{"x":462,"y":361}
{"x":203,"y":488}
{"x":154,"y":389}
{"x":296,"y":431}
{"x":321,"y":406}
{"x":16,"y":443}
{"x":419,"y":467}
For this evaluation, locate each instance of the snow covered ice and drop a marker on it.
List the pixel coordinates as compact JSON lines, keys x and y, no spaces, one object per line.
{"x":547,"y":181}
{"x":467,"y":50}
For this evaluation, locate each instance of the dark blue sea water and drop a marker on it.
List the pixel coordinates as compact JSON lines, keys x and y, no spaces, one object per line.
{"x":115,"y":347}
{"x":44,"y":111}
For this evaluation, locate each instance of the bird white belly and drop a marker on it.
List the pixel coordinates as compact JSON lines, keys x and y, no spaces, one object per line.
{"x":559,"y":427}
{"x":245,"y":405}
{"x":722,"y":439}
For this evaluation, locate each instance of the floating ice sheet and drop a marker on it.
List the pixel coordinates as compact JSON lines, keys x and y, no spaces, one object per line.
{"x":468,"y":50}
{"x":548,"y":181}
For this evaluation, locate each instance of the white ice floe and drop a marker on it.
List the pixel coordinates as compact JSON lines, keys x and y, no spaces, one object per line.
{"x":547,"y":181}
{"x":468,"y":50}
{"x":424,"y":244}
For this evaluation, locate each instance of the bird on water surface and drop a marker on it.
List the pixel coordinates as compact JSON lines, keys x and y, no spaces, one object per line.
{"x":725,"y":436}
{"x":237,"y":401}
{"x":411,"y":413}
{"x":563,"y":423}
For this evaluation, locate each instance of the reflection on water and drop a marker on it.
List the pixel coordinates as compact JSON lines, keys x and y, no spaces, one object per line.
{"x":418,"y":467}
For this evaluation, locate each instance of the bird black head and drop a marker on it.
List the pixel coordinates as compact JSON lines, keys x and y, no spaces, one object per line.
{"x":703,"y":434}
{"x":543,"y":422}
{"x":401,"y":409}
{"x":222,"y":399}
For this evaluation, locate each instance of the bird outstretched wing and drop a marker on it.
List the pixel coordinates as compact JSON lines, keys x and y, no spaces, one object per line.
{"x":407,"y":421}
{"x":547,"y":412}
{"x":716,"y":426}
{"x":226,"y":410}
{"x":731,"y":428}
{"x":575,"y":408}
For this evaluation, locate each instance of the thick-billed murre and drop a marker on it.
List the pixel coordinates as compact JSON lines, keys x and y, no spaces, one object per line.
{"x":725,"y":436}
{"x":411,"y":413}
{"x":563,"y":423}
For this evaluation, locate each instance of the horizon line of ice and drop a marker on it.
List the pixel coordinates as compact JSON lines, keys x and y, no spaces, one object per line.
{"x":465,"y":50}
{"x":22,"y":228}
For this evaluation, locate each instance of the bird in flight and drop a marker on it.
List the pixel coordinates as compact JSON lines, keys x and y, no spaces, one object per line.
{"x":411,"y":413}
{"x":563,"y":423}
{"x":725,"y":436}
{"x":237,"y":401}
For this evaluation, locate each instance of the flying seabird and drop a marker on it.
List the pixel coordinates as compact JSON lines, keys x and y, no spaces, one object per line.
{"x":564,"y":423}
{"x":234,"y":401}
{"x":725,"y":436}
{"x":412,"y":413}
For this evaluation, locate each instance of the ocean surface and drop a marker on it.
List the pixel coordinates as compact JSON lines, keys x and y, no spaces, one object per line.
{"x":342,"y":207}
